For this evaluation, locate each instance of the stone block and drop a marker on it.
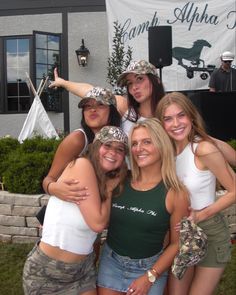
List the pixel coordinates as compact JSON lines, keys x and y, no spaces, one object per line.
{"x":12,"y":220}
{"x":32,"y":222}
{"x":20,"y":231}
{"x":25,"y":210}
{"x":6,"y":209}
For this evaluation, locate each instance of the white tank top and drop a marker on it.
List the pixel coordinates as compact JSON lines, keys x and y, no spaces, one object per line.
{"x":127,"y":125}
{"x":200,"y":183}
{"x":85,"y":139}
{"x":64,"y":225}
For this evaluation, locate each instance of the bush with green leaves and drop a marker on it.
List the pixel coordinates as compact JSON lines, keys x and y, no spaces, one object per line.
{"x":7,"y":146}
{"x":28,"y":165}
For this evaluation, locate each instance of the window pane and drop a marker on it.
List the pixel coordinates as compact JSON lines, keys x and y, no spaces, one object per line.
{"x":11,"y":59}
{"x":11,"y":46}
{"x":41,"y":56}
{"x":53,"y":42}
{"x":41,"y":41}
{"x":41,"y":71}
{"x":53,"y":57}
{"x":23,"y":45}
{"x":23,"y":60}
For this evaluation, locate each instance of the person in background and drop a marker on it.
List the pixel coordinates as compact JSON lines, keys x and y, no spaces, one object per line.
{"x":63,"y":261}
{"x":224,"y":78}
{"x":199,"y":164}
{"x":98,"y":110}
{"x":133,"y":260}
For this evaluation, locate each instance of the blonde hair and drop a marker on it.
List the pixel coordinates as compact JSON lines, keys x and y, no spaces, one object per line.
{"x":198,"y":131}
{"x":162,"y":142}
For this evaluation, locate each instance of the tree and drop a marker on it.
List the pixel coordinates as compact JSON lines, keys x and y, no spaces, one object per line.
{"x":119,"y":59}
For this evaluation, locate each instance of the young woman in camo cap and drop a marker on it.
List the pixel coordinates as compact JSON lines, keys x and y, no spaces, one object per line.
{"x":63,"y":261}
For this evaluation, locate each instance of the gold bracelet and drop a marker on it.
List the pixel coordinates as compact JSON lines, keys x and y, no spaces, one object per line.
{"x":157,"y":274}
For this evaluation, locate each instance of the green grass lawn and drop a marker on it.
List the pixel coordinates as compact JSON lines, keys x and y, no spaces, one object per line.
{"x":12,"y":257}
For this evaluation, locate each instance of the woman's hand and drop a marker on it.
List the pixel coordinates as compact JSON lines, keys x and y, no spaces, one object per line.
{"x":58,"y":82}
{"x":140,"y":286}
{"x":196,"y":215}
{"x":69,"y":190}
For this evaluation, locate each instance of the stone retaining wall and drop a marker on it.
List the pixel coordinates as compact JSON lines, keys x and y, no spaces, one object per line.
{"x":18,"y":223}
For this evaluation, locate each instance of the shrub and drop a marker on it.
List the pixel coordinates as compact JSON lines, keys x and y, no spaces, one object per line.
{"x":28,"y":165}
{"x":7,"y":146}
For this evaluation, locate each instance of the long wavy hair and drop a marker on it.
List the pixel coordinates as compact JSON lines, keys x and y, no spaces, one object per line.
{"x":114,"y":119}
{"x":162,"y":143}
{"x":157,"y":93}
{"x":198,"y":131}
{"x":93,"y":155}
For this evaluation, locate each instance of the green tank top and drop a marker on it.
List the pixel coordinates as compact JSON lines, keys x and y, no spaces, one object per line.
{"x":138,"y":222}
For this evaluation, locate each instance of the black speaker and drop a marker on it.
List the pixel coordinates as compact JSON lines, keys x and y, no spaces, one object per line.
{"x":160,"y":46}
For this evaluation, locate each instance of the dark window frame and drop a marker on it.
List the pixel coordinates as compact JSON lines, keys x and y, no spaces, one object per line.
{"x":51,"y":99}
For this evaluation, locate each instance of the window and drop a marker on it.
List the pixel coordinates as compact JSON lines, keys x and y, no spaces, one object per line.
{"x":36,"y":55}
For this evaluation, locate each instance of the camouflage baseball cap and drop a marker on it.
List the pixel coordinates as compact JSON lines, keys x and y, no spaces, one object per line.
{"x":111,"y":133}
{"x":192,"y":247}
{"x":103,"y":95}
{"x":141,"y":67}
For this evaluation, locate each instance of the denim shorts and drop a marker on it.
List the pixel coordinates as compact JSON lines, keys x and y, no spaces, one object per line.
{"x":118,"y":272}
{"x":218,"y":237}
{"x":44,"y":275}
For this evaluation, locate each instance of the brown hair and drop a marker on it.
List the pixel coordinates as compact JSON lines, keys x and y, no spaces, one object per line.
{"x":93,"y":155}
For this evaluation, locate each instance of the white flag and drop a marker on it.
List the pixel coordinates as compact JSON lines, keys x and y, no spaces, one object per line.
{"x":37,"y":120}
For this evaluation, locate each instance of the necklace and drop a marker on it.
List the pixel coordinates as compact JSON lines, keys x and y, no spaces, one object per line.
{"x":144,"y":186}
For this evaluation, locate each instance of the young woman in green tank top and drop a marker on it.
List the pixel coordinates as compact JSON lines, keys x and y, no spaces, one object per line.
{"x":152,"y":203}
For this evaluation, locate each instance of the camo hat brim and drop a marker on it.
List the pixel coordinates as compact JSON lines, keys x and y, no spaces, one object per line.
{"x":111,"y":133}
{"x":192,"y":247}
{"x":141,"y":67}
{"x":103,"y":95}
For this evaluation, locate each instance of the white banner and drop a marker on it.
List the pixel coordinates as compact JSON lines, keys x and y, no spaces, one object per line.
{"x":201,"y":31}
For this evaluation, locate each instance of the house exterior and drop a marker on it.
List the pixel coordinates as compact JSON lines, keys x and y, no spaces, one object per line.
{"x":34,"y":37}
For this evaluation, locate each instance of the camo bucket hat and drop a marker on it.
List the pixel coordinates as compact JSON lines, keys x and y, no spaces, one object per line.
{"x":141,"y":67}
{"x":192,"y":247}
{"x":111,"y":133}
{"x":103,"y":95}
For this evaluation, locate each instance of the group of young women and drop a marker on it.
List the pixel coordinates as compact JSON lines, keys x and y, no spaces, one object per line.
{"x":174,"y":166}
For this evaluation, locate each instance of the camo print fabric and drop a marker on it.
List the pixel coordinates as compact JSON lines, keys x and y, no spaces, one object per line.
{"x":103,"y":95}
{"x":111,"y":133}
{"x":141,"y":67}
{"x":192,"y":247}
{"x":43,"y":275}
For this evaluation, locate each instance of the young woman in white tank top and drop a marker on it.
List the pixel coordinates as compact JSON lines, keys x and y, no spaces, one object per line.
{"x":199,"y":164}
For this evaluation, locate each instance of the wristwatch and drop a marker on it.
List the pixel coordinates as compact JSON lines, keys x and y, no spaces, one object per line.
{"x":151,"y":277}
